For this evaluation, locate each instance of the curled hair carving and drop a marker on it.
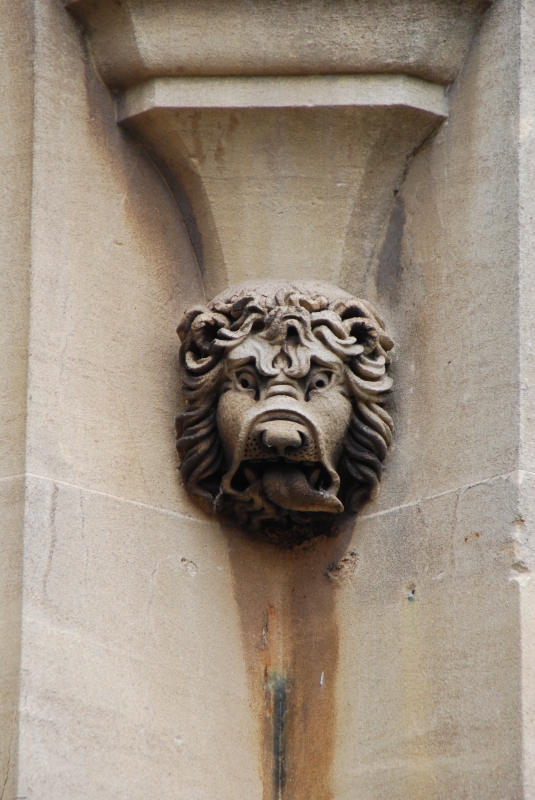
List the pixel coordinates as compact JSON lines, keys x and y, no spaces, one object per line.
{"x":325,"y":318}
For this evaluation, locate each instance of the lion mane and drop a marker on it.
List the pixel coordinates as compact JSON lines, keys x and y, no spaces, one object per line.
{"x":208,"y":332}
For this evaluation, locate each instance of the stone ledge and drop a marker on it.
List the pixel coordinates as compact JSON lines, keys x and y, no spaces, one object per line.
{"x":324,"y":91}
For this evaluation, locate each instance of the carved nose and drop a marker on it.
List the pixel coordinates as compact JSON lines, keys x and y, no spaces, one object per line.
{"x":282,"y":435}
{"x":281,"y":385}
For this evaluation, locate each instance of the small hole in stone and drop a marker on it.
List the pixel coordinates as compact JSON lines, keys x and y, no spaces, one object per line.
{"x":410,"y":592}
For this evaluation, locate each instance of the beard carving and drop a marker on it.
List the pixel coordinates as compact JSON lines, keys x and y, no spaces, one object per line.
{"x":284,"y":427}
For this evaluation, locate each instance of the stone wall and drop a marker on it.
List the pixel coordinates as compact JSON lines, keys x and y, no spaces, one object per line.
{"x":16,"y":34}
{"x":133,"y":625}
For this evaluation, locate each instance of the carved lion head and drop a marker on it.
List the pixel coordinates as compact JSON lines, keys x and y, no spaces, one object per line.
{"x":283,"y":427}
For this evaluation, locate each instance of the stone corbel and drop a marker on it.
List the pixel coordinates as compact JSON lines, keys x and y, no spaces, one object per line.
{"x":282,"y":176}
{"x":283,"y":129}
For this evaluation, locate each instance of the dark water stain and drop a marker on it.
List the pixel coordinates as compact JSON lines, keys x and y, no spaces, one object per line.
{"x":390,"y":266}
{"x":287,"y":606}
{"x":277,"y":702}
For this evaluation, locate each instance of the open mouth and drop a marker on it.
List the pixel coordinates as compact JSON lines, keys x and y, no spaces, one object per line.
{"x":293,"y":485}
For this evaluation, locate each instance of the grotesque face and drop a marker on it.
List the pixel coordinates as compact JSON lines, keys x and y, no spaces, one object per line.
{"x":283,"y":428}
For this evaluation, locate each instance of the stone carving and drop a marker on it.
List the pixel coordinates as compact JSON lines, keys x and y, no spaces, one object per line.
{"x":284,"y":428}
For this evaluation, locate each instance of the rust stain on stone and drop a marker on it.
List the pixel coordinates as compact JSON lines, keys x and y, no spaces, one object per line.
{"x":287,"y":602}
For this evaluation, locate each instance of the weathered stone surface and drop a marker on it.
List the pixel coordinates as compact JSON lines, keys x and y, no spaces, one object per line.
{"x":112,"y":269}
{"x":394,"y":661}
{"x":15,"y":196}
{"x":139,"y":39}
{"x":446,"y":270}
{"x":16,"y":145}
{"x":11,"y":543}
{"x":284,"y":425}
{"x":429,"y":630}
{"x":294,"y":174}
{"x":132,"y":658}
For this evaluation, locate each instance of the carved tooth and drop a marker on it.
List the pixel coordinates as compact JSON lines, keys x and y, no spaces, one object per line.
{"x":314,"y":478}
{"x":249,"y":474}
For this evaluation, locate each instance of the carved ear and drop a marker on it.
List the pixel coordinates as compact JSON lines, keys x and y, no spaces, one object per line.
{"x":364,"y":330}
{"x":363,"y":322}
{"x":204,"y":329}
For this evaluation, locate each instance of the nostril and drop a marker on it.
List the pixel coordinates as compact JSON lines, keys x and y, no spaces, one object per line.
{"x":305,"y":439}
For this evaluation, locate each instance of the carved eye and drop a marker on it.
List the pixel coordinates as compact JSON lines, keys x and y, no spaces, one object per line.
{"x":318,"y":381}
{"x":247,"y":381}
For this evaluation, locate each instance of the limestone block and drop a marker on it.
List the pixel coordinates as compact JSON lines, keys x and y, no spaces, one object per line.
{"x":139,"y":39}
{"x":132,"y":666}
{"x":443,"y":275}
{"x":16,"y":145}
{"x":15,"y":198}
{"x":11,"y":527}
{"x":283,"y":176}
{"x":112,"y":270}
{"x":428,"y":689}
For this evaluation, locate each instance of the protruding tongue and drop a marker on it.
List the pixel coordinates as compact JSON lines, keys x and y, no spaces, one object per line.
{"x":288,"y":487}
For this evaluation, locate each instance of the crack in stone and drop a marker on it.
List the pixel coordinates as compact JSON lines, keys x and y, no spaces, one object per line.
{"x":454,"y":490}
